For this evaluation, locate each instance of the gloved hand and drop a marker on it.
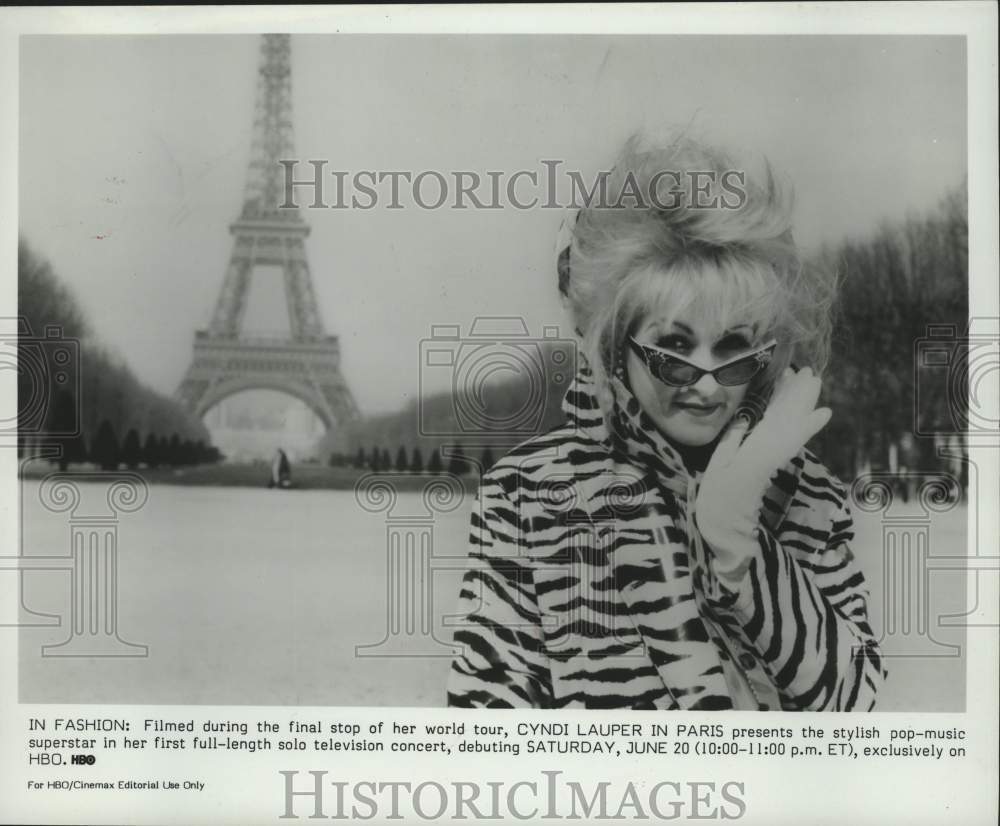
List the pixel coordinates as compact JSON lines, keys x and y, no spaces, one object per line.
{"x":732,"y":488}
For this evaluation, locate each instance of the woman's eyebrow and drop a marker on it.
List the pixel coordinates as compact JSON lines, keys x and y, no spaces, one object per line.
{"x":690,"y":331}
{"x":662,"y":327}
{"x":740,"y":329}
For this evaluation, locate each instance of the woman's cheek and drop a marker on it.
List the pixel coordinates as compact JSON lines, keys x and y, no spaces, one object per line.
{"x":736,"y":396}
{"x":664,"y":395}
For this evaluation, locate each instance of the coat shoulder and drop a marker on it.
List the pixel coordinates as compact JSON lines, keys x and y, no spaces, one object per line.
{"x":562,"y":455}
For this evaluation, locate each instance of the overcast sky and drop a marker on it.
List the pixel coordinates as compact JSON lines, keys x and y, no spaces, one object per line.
{"x":134,"y":150}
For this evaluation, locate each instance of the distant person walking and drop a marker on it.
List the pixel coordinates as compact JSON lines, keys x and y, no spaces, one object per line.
{"x":281,"y":471}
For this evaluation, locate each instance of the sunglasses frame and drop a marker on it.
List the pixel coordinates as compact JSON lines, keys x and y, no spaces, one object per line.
{"x":653,"y":358}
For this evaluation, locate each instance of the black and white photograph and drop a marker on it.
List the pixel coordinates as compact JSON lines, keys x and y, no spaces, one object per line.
{"x":597,"y":370}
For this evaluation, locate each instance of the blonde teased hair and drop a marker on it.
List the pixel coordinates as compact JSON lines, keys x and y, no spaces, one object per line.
{"x":729,"y":263}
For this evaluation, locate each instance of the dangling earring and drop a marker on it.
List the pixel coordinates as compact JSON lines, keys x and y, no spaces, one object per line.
{"x":620,"y":363}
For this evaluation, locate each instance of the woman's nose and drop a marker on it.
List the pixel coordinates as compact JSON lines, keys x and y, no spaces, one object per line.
{"x":706,"y":385}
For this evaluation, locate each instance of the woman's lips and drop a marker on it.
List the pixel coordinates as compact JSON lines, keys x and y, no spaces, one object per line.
{"x":699,"y":410}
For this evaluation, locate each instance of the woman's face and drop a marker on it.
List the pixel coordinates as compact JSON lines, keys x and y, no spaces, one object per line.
{"x":692,"y":415}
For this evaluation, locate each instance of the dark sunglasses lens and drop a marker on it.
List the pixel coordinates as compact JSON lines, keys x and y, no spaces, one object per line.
{"x":740,"y":372}
{"x":678,"y":374}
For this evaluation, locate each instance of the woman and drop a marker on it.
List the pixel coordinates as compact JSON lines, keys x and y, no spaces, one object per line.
{"x":281,"y":471}
{"x":674,"y":545}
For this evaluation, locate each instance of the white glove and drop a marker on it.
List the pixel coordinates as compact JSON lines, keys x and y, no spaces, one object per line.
{"x":732,"y":488}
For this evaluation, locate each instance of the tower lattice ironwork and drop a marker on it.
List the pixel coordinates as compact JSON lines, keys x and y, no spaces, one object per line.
{"x":305,"y":363}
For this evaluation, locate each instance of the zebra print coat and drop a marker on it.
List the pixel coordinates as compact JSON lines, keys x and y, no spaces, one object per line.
{"x":589,"y":586}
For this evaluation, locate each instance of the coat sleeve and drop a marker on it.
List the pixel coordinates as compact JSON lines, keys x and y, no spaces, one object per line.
{"x":802,"y":605}
{"x":501,"y":662}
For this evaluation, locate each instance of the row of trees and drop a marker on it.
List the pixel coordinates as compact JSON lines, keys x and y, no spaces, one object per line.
{"x":76,"y":395}
{"x":156,"y":451}
{"x":439,"y":413}
{"x":887,"y":403}
{"x":457,"y":461}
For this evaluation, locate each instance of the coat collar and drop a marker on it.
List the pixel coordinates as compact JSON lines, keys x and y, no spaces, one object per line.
{"x":629,"y":433}
{"x":632,"y":439}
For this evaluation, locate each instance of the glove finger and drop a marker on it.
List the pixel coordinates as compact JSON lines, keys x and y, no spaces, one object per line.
{"x":802,"y":432}
{"x":796,"y":403}
{"x":781,"y":387}
{"x":796,"y":386}
{"x":724,"y":451}
{"x":815,"y":422}
{"x":781,"y":401}
{"x":805,"y":393}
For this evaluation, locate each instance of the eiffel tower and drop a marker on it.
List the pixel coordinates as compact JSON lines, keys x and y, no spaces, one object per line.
{"x":305,"y":363}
